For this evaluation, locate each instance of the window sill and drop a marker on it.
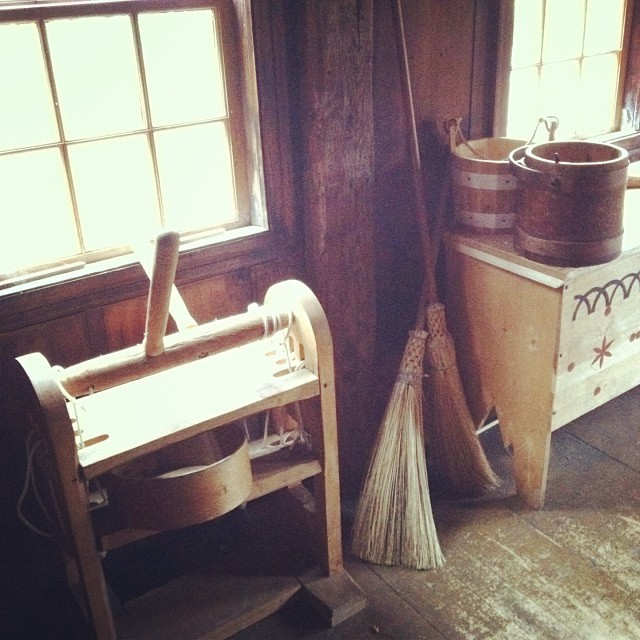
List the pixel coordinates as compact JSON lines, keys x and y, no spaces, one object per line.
{"x":114,"y":279}
{"x":628,"y":141}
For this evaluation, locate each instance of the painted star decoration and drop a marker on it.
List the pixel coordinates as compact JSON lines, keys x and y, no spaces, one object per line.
{"x":602,"y":352}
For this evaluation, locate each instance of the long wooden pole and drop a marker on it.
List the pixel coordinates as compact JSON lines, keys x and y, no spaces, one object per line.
{"x":429,"y":289}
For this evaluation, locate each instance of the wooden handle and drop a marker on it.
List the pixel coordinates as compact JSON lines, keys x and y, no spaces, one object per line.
{"x":451,"y":127}
{"x":633,"y":182}
{"x":164,"y":270}
{"x":429,"y":288}
{"x":177,"y":307}
{"x":130,"y":364}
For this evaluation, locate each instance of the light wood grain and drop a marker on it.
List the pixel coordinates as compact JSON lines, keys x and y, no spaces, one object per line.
{"x":130,"y":428}
{"x":543,"y":345}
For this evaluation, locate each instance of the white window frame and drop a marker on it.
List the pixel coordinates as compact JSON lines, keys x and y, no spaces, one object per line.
{"x":248,"y":160}
{"x":505,"y":41}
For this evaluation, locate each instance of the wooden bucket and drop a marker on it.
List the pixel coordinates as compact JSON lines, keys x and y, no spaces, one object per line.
{"x":187,"y":483}
{"x":570,"y":202}
{"x":484,"y":187}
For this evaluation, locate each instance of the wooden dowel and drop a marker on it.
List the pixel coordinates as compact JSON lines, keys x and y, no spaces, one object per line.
{"x":177,"y":306}
{"x":207,"y":339}
{"x":162,"y":276}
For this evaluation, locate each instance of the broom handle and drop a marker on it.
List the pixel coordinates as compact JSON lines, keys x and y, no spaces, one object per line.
{"x":429,"y":289}
{"x":165,"y":261}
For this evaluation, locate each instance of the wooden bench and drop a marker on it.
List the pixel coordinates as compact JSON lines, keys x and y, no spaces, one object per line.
{"x":542,"y":345}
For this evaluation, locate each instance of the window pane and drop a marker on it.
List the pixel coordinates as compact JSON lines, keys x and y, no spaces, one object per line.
{"x":563,"y":30}
{"x":195,"y":176}
{"x":37,"y":219}
{"x":559,"y":94}
{"x":599,"y":91}
{"x":96,"y":76}
{"x":524,"y":109}
{"x":115,"y":191}
{"x":527,"y":33}
{"x":605,"y":19}
{"x":26,"y":108}
{"x":185,"y":82}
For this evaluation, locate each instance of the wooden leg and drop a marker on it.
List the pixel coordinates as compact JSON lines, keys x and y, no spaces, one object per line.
{"x":89,"y":566}
{"x":507,"y":350}
{"x":529,"y":437}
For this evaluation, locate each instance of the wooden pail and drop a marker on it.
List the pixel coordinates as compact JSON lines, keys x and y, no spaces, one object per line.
{"x":570,"y":202}
{"x":484,"y":187}
{"x":187,"y":483}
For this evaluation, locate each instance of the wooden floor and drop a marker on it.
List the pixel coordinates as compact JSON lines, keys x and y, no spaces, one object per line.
{"x":570,"y":571}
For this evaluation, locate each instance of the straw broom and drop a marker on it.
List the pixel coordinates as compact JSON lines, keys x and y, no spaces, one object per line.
{"x":394,"y":523}
{"x":453,"y":442}
{"x":454,"y":447}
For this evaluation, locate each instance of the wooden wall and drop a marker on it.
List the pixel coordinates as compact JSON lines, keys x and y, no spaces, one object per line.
{"x":336,"y":170}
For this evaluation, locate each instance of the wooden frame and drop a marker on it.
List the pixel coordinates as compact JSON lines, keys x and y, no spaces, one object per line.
{"x":244,"y":124}
{"x":261,"y":386}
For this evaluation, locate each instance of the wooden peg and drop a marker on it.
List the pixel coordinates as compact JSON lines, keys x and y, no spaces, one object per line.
{"x":165,"y":263}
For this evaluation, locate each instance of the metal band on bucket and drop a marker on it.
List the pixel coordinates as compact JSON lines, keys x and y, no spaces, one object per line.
{"x":486,"y":220}
{"x":590,"y":252}
{"x":486,"y":181}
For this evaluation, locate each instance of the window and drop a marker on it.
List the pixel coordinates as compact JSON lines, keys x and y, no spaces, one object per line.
{"x":563,"y":58}
{"x":122,"y":118}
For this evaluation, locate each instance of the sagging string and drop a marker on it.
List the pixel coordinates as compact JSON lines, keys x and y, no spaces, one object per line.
{"x":31,"y":449}
{"x":465,"y":142}
{"x":272,"y":326}
{"x":551,"y":124}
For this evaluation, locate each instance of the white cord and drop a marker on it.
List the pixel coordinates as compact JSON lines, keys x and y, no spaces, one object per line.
{"x":29,"y":481}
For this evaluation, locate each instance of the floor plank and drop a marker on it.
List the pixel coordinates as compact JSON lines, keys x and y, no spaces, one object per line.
{"x":570,"y":571}
{"x":505,"y":579}
{"x":613,"y":428}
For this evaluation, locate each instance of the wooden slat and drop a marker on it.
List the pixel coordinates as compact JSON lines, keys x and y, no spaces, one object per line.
{"x":269,"y":475}
{"x":146,"y":415}
{"x":199,"y":606}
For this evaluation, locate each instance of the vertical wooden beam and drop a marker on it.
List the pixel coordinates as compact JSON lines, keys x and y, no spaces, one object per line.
{"x":272,"y":69}
{"x":335,"y":121}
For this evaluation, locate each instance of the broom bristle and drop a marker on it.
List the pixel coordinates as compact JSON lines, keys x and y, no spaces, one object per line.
{"x":457,"y":452}
{"x":394,"y":523}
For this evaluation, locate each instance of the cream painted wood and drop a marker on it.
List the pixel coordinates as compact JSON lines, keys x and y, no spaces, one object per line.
{"x":540,"y":344}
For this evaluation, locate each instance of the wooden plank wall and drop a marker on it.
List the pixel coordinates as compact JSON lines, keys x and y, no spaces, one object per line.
{"x":336,"y":151}
{"x":336,"y":169}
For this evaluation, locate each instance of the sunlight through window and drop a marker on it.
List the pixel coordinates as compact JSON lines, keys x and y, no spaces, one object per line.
{"x":566,"y":61}
{"x":116,"y":125}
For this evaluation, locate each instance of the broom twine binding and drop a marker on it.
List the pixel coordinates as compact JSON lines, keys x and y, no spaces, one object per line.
{"x":410,"y":371}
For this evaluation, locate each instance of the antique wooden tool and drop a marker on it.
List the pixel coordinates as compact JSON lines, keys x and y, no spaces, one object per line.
{"x":168,"y":399}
